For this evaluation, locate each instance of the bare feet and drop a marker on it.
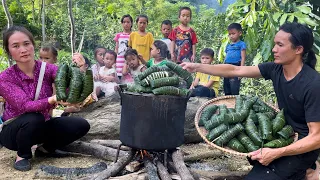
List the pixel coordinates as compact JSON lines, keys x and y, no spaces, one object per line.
{"x":313,"y":174}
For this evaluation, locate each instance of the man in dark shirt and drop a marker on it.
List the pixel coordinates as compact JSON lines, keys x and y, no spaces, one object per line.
{"x":297,"y":87}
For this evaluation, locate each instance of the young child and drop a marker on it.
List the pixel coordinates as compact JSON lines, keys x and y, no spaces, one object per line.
{"x":107,"y":77}
{"x":184,"y":39}
{"x":133,"y":67}
{"x":98,"y":56}
{"x":122,"y":40}
{"x":206,"y":85}
{"x":48,"y":53}
{"x":159,"y":54}
{"x":236,"y":55}
{"x":166,"y":28}
{"x":141,"y":40}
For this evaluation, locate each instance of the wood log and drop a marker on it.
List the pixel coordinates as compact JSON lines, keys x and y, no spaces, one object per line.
{"x":151,"y":169}
{"x":162,"y":171}
{"x":113,"y":169}
{"x":202,"y":155}
{"x":93,"y":149}
{"x":220,"y":175}
{"x":45,"y":171}
{"x":110,"y":143}
{"x":140,"y":175}
{"x":133,"y":166}
{"x":180,"y":166}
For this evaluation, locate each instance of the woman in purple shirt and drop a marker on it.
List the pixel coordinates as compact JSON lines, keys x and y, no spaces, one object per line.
{"x":29,"y":119}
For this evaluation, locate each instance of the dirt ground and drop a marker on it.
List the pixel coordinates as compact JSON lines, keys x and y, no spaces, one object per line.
{"x":7,"y":157}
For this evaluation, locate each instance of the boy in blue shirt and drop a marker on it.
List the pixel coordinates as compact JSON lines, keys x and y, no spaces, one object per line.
{"x":236,"y":55}
{"x":166,"y":28}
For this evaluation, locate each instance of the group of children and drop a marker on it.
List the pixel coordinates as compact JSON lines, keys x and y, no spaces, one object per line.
{"x":136,"y":51}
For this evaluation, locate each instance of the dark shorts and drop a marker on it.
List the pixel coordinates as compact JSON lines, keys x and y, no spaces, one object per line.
{"x":288,"y":167}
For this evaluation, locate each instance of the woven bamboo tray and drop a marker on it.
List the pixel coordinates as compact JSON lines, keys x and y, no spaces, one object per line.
{"x":229,"y":101}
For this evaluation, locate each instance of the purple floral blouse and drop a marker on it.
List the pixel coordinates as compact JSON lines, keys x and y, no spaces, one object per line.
{"x":19,"y":90}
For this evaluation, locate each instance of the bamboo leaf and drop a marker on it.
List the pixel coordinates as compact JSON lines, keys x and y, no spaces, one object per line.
{"x":257,"y":59}
{"x":310,"y":22}
{"x":276,"y":16}
{"x":283,"y":18}
{"x":266,"y":49}
{"x":304,"y":9}
{"x":250,"y":20}
{"x":291,"y":18}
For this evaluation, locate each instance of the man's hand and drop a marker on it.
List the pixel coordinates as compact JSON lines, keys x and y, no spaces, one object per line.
{"x":191,"y":67}
{"x":265,"y":155}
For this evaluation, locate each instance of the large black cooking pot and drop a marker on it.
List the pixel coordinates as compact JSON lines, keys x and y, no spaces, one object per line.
{"x":152,"y":122}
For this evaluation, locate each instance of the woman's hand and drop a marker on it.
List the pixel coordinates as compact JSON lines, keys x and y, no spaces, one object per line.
{"x":265,"y":155}
{"x":191,"y":67}
{"x":78,"y":59}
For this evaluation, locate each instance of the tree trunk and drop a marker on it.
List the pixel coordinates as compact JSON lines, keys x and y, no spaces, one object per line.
{"x":162,"y":171}
{"x":72,"y":27}
{"x":43,"y":21}
{"x":52,"y":172}
{"x":113,"y":169}
{"x":202,"y":155}
{"x":110,"y":143}
{"x":220,"y":175}
{"x":140,"y":175}
{"x":180,"y":166}
{"x":10,"y":22}
{"x":95,"y":150}
{"x":151,"y":169}
{"x":33,"y":13}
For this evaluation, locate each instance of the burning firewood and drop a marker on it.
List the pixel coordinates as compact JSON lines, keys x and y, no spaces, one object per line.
{"x":113,"y":169}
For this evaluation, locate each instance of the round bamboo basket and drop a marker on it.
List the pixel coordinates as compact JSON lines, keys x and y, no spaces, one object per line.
{"x":229,"y":101}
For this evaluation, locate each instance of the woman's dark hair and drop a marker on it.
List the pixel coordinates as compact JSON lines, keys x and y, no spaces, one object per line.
{"x":96,"y":50}
{"x":10,"y":31}
{"x":130,"y":52}
{"x":127,"y":16}
{"x":112,"y":53}
{"x":142,"y":16}
{"x":207,"y":52}
{"x":48,"y":47}
{"x":301,"y":35}
{"x":164,"y":52}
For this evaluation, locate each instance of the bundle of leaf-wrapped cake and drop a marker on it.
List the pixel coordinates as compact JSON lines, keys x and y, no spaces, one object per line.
{"x":72,"y":85}
{"x":169,"y":79}
{"x":250,"y":126}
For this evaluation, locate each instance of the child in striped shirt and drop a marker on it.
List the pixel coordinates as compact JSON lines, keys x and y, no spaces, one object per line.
{"x":122,"y":40}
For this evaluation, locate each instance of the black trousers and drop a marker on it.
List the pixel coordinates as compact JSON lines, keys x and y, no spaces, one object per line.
{"x":284,"y":168}
{"x":31,"y":128}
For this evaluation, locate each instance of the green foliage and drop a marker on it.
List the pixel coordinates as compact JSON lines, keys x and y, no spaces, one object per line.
{"x":258,"y":87}
{"x":261,"y":19}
